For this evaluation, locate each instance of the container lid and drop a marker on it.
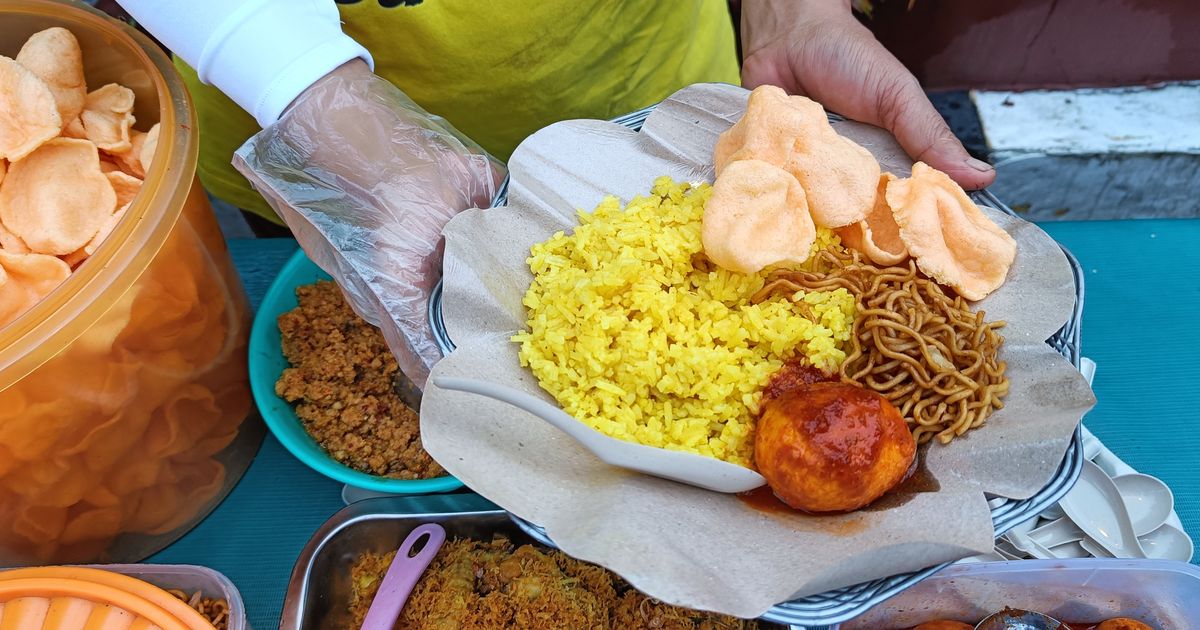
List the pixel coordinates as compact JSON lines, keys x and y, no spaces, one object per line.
{"x":73,"y":598}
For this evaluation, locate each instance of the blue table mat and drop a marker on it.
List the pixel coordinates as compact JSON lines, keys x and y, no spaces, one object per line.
{"x":1140,"y":322}
{"x":255,"y":535}
{"x":1139,"y":325}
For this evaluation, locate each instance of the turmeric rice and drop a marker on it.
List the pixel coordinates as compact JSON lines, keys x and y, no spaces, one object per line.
{"x":639,"y":336}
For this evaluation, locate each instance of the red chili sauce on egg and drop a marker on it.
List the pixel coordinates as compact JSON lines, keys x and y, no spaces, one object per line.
{"x":826,"y":447}
{"x":792,"y":376}
{"x":789,"y":377}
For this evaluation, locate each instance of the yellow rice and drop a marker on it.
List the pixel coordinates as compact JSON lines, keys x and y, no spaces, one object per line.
{"x":636,"y":334}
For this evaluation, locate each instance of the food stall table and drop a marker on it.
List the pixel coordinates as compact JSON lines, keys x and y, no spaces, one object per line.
{"x":1142,"y":299}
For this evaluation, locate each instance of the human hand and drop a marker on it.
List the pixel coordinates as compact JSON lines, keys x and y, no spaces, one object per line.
{"x":817,"y":48}
{"x":366,"y":180}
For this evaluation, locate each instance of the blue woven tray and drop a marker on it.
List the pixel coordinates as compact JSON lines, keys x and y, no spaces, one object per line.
{"x":846,"y":603}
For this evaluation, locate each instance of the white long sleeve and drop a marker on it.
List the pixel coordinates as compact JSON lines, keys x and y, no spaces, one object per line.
{"x":262,"y":53}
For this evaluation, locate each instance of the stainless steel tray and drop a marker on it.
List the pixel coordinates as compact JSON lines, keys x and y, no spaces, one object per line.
{"x":817,"y":611}
{"x":319,"y":590}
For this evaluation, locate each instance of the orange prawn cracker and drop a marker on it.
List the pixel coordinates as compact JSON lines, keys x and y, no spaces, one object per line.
{"x":765,"y":132}
{"x":128,"y":424}
{"x":56,"y":199}
{"x":130,"y":162}
{"x":950,"y":238}
{"x":74,"y":129}
{"x":756,"y":217}
{"x":125,"y":186}
{"x":28,"y":114}
{"x":53,"y":55}
{"x":145,"y":152}
{"x":839,"y":177}
{"x":877,"y":235}
{"x":76,"y":258}
{"x":108,"y":117}
{"x":11,"y":242}
{"x":8,"y":240}
{"x":25,"y":279}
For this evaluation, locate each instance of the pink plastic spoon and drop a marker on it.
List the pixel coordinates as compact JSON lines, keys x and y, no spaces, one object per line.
{"x":402,"y":576}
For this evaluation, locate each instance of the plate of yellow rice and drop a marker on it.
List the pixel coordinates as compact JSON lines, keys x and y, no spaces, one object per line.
{"x":590,"y":290}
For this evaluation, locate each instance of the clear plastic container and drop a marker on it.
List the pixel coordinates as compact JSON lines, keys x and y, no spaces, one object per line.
{"x":1162,"y":593}
{"x":112,"y":586}
{"x":123,"y":394}
{"x":189,"y":579}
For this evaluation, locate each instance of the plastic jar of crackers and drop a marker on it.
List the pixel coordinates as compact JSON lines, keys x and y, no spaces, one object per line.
{"x":125,"y":409}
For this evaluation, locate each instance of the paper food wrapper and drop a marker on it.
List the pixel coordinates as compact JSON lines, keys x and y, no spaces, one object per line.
{"x":681,"y":544}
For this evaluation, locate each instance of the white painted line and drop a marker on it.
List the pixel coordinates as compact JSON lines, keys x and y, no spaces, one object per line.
{"x":1091,"y":121}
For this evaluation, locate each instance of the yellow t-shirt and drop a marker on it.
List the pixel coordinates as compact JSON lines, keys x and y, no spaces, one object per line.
{"x":500,"y":70}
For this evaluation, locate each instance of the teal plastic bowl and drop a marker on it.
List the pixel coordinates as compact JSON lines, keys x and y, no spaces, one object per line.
{"x":267,"y":363}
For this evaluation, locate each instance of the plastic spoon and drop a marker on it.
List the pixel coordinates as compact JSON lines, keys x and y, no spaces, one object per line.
{"x":1016,"y":619}
{"x":696,"y":470}
{"x":1059,"y":532}
{"x":1070,"y":550}
{"x":1091,"y":446}
{"x":402,"y":576}
{"x":1097,"y":508}
{"x":1168,"y":543}
{"x":1024,"y":543}
{"x":1018,"y":538}
{"x":1052,"y":513}
{"x":1148,"y":500}
{"x":1094,"y":549}
{"x":1010,"y":552}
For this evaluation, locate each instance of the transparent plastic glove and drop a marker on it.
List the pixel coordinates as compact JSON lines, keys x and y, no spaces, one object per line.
{"x":366,"y":180}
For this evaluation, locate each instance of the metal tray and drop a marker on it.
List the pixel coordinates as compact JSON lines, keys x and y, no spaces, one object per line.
{"x":816,"y":611}
{"x":319,"y":590}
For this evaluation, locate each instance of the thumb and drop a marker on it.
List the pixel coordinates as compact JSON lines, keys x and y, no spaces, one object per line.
{"x":905,"y":111}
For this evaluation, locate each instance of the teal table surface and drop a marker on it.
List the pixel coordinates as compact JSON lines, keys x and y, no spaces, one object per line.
{"x":1139,"y":325}
{"x":255,"y":535}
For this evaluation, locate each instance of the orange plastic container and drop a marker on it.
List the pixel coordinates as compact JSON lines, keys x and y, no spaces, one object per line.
{"x":77,"y":598}
{"x":123,"y":394}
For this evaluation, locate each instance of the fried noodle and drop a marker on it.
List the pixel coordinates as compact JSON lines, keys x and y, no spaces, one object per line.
{"x":925,"y":351}
{"x":216,"y":611}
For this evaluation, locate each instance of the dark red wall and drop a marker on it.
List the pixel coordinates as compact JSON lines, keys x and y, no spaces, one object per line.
{"x":1001,"y":44}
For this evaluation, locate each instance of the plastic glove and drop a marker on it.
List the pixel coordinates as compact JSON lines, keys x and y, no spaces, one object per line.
{"x":366,"y":180}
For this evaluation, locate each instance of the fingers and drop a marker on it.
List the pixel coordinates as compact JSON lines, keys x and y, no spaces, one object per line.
{"x":824,"y":53}
{"x":905,"y":111}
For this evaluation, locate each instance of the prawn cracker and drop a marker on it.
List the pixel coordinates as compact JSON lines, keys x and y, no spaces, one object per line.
{"x":756,"y":217}
{"x":947,"y":234}
{"x":125,"y":186}
{"x":793,"y":132}
{"x":53,"y":55}
{"x":106,"y":228}
{"x":108,"y":116}
{"x":130,"y":162}
{"x":74,"y":129}
{"x":877,"y":235}
{"x":25,"y":279}
{"x":56,"y":199}
{"x":28,"y":114}
{"x":149,"y":146}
